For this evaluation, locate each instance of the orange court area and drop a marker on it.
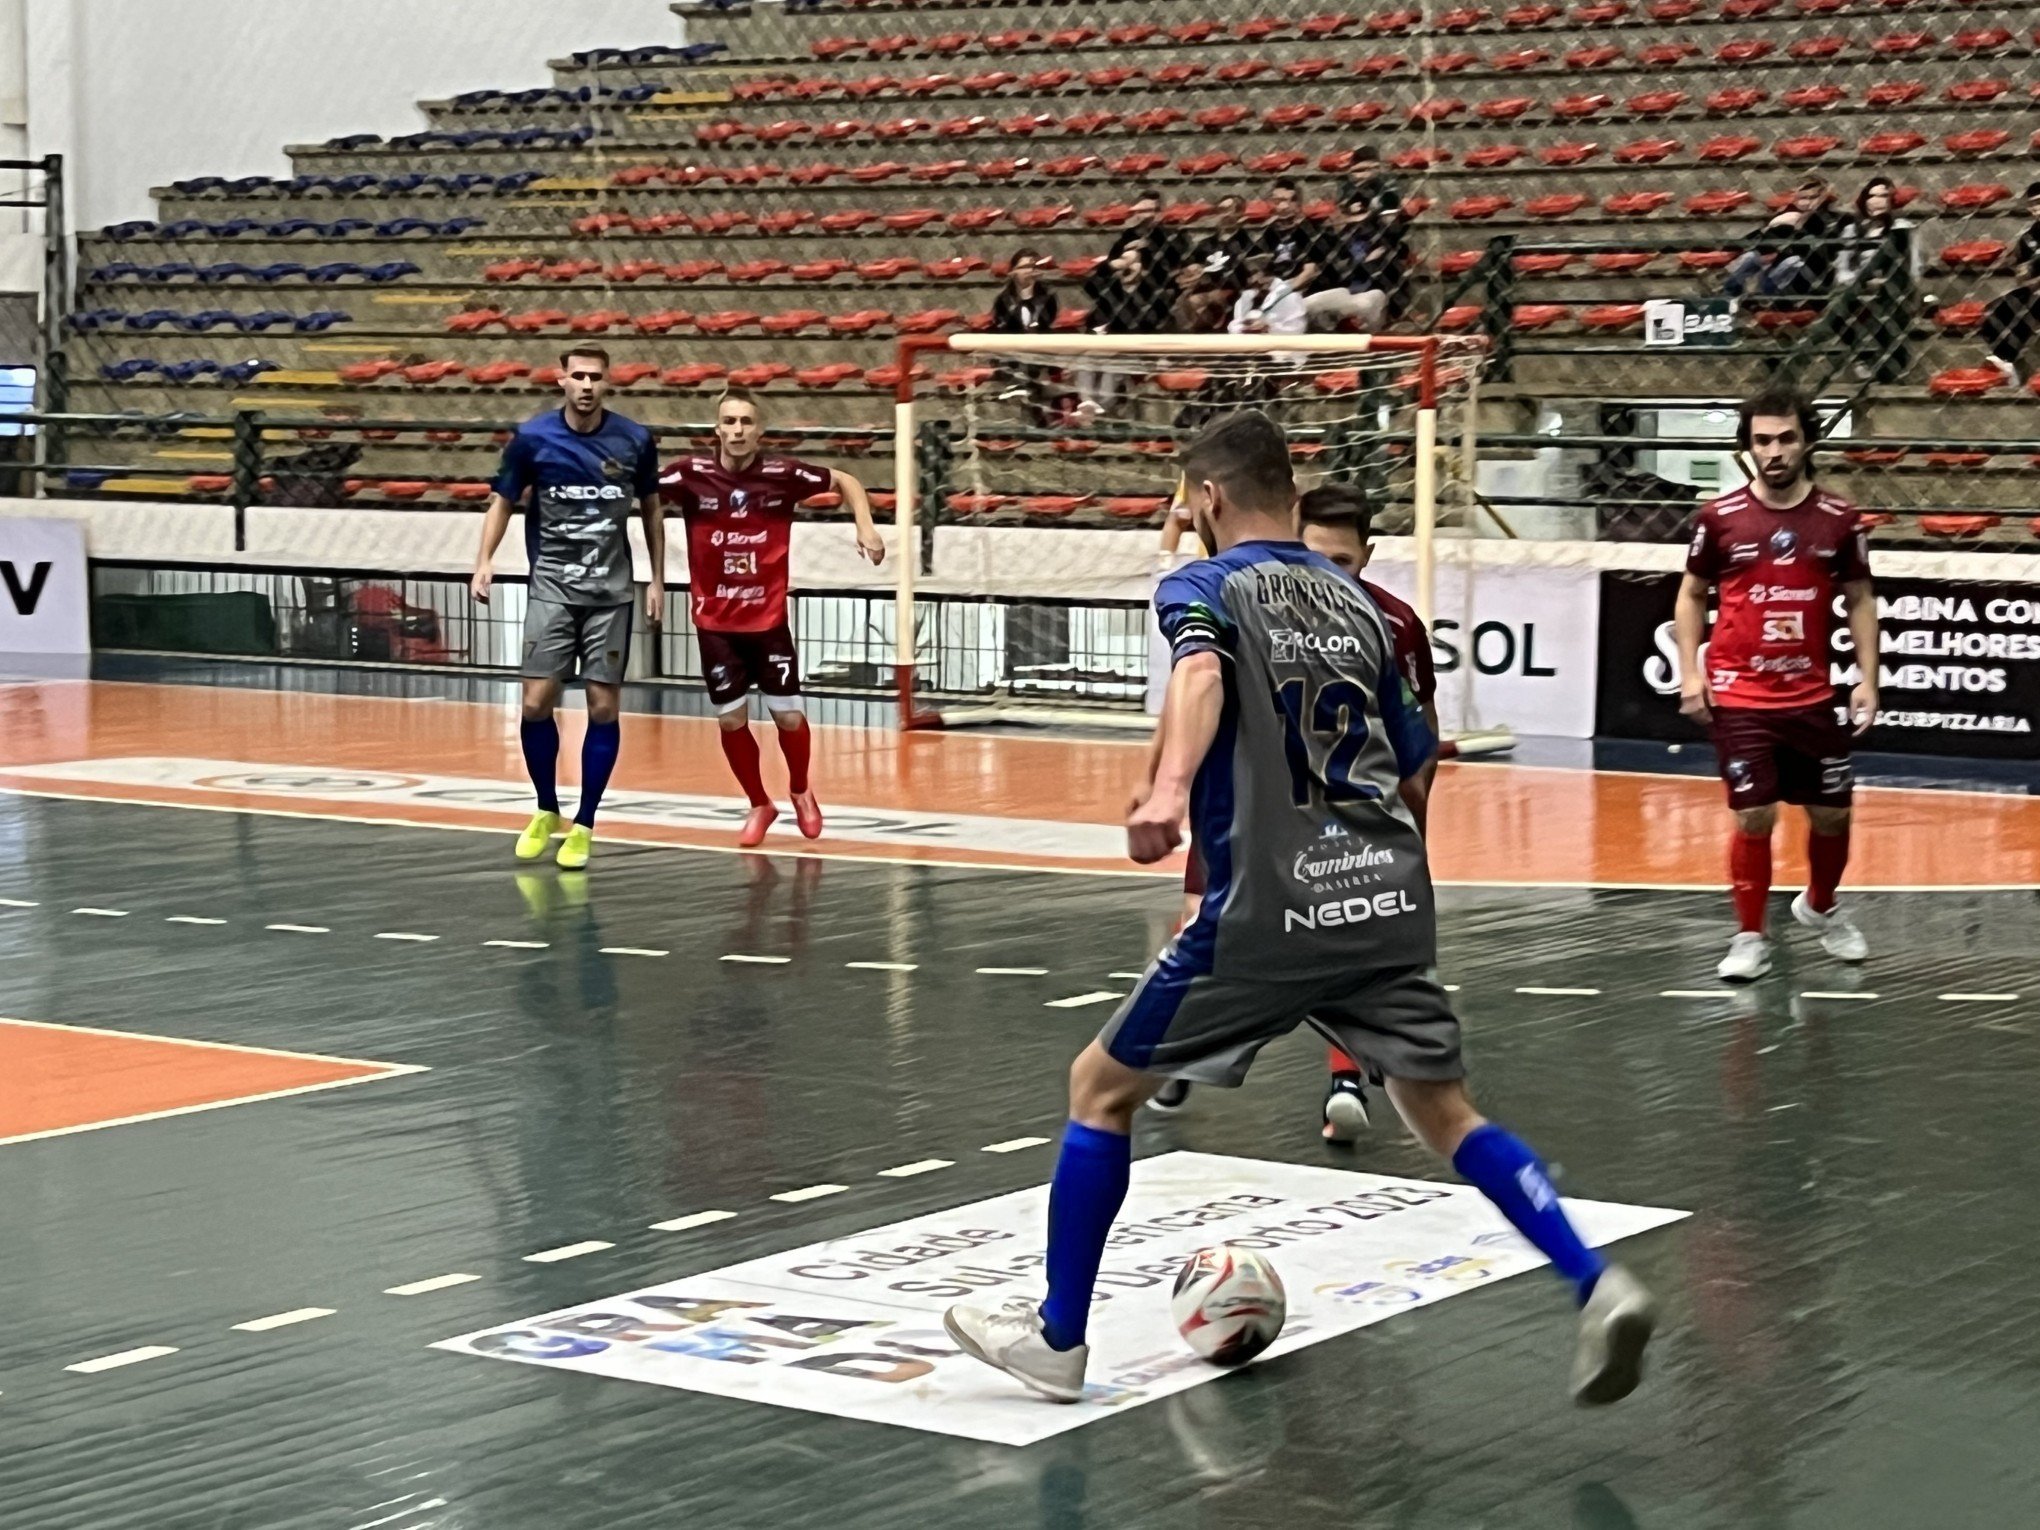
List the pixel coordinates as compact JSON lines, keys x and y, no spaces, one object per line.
{"x":56,"y":1079}
{"x":962,"y":798}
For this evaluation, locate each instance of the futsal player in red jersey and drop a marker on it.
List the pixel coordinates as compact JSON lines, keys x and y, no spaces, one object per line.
{"x":1336,"y":522}
{"x":1777,"y":552}
{"x":739,"y":506}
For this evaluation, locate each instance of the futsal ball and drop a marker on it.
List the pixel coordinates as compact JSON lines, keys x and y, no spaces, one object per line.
{"x":1228,"y":1304}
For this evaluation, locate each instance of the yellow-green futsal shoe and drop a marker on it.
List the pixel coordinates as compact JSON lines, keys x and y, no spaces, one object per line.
{"x":574,"y":850}
{"x":537,"y":834}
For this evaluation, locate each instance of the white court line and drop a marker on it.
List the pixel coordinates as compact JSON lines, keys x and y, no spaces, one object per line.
{"x":1692,"y":993}
{"x":633,"y":951}
{"x":18,"y":903}
{"x":190,"y":919}
{"x":283,"y":1319}
{"x":693,"y":1219}
{"x":518,"y":945}
{"x":403,"y":935}
{"x":811,"y":1193}
{"x":1451,"y":987}
{"x":1080,"y":1000}
{"x":567,"y":1251}
{"x":884,"y":966}
{"x":1012,"y":1144}
{"x":1563,"y":993}
{"x":1133,"y":976}
{"x":436,"y":1283}
{"x":102,"y":913}
{"x":1819,"y":993}
{"x":386,"y":1070}
{"x":924,"y":1166}
{"x":1012,"y":972}
{"x":299,"y":929}
{"x":1976,"y":998}
{"x":430,"y":1503}
{"x":757,"y":961}
{"x":124,"y":1357}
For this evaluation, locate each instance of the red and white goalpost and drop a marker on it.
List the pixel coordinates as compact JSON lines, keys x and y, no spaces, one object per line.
{"x":1012,"y":440}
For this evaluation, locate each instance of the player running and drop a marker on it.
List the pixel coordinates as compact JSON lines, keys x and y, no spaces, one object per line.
{"x":584,"y":466}
{"x":1284,"y":736}
{"x":1776,"y":551}
{"x":1337,"y":522}
{"x":739,"y":505}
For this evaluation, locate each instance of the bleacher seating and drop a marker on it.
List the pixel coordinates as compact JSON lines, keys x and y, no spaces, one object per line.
{"x":791,"y":187}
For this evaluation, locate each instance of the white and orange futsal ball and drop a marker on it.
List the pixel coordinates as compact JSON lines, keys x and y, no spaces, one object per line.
{"x":1228,"y":1304}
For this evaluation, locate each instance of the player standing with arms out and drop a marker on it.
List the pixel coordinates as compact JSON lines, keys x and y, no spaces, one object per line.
{"x":1285,"y":735}
{"x":1777,"y":551}
{"x":1337,"y":521}
{"x":584,"y":467}
{"x":739,"y":506}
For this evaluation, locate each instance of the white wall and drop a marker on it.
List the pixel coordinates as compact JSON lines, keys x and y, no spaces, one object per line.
{"x":138,"y":93}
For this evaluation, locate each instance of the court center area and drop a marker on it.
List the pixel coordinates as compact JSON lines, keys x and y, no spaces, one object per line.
{"x":320,"y":1084}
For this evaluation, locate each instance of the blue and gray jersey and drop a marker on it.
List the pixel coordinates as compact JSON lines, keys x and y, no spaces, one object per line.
{"x":583,"y":487}
{"x":1315,"y":865}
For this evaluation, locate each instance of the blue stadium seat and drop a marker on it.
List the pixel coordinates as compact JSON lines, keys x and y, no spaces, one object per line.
{"x":389,"y":271}
{"x":225,"y":271}
{"x":249,"y":185}
{"x":633,"y":94}
{"x":320,"y":320}
{"x":333,"y":271}
{"x":184,"y":228}
{"x":199,"y":185}
{"x":87,"y":479}
{"x":208,"y":318}
{"x":351,"y":185}
{"x":516,"y":181}
{"x":234,"y":228}
{"x":247,"y":371}
{"x":117,"y":270}
{"x":189,"y":371}
{"x":268,"y":318}
{"x":353,"y":141}
{"x":90,"y":320}
{"x":170,"y":271}
{"x":286,"y":228}
{"x":150,"y":318}
{"x":397,"y":228}
{"x":129,"y":370}
{"x":133,"y":229}
{"x":345,"y":228}
{"x":453,"y":228}
{"x":471,"y":98}
{"x":276,"y":271}
{"x":397,"y":185}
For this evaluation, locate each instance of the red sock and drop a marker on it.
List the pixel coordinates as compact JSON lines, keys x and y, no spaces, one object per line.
{"x":1339,"y":1062}
{"x":1749,"y":876}
{"x":741,"y":750}
{"x":794,"y":743}
{"x":1827,"y":854}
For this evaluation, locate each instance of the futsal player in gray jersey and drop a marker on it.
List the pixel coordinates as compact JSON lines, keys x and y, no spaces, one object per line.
{"x":1284,"y":736}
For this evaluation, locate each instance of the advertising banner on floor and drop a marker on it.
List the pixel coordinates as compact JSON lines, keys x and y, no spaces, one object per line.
{"x":45,"y":603}
{"x":853,"y":1327}
{"x":1960,"y":671}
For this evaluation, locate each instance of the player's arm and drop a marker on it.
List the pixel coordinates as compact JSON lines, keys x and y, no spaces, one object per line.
{"x":1689,"y":627}
{"x":1860,"y":604}
{"x":513,"y":480}
{"x":869,"y":544}
{"x":1190,"y":717}
{"x":653,"y":508}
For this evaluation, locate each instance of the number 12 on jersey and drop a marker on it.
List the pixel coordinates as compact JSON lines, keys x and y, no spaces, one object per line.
{"x":1337,"y":716}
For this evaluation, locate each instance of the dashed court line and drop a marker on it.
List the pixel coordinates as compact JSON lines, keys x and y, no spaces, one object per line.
{"x":567,"y":1251}
{"x":114,"y":1362}
{"x":1012,"y":972}
{"x":1084,"y":1000}
{"x":283,"y":1319}
{"x":1977,"y":998}
{"x":921,"y":1166}
{"x":436,"y":1283}
{"x":692,"y":1219}
{"x":883,"y":966}
{"x":1563,"y":993}
{"x":757,"y":961}
{"x":1694,"y":993}
{"x":190,"y":919}
{"x":403,"y":935}
{"x":810,"y":1193}
{"x":518,"y":945}
{"x":102,"y":913}
{"x":1013,"y":1144}
{"x":1823,"y":993}
{"x":633,"y":951}
{"x":300,"y":929}
{"x":19,"y":903}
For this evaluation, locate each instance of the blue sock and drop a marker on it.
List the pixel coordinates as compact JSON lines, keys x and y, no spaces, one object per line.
{"x":1502,"y":1167}
{"x":541,"y":742}
{"x":1090,"y":1183}
{"x":598,"y":759}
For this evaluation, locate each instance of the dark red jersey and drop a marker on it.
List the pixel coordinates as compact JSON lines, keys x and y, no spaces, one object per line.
{"x":1412,"y":644}
{"x":739,"y":532}
{"x":1776,"y":574}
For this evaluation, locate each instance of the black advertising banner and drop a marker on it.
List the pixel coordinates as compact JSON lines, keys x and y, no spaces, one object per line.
{"x":1960,"y":672}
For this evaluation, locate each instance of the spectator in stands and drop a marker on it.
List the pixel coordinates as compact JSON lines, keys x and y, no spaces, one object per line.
{"x":1130,"y":304}
{"x":1026,"y":306}
{"x":1368,"y":265}
{"x":1298,"y":250}
{"x":1793,"y":253}
{"x":1368,"y":182}
{"x":1158,"y":247}
{"x":1268,"y":304}
{"x":1208,"y":281}
{"x":2013,"y":318}
{"x":1875,"y":277}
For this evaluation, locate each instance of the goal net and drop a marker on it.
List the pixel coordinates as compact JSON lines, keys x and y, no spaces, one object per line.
{"x":1002,"y":437}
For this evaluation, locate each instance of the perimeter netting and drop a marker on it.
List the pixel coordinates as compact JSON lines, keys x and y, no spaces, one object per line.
{"x":1014,"y":432}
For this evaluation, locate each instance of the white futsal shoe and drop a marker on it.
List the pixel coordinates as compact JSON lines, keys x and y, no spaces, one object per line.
{"x":1615,"y":1325}
{"x":1749,"y":958}
{"x":1009,"y":1339}
{"x":1839,"y":936}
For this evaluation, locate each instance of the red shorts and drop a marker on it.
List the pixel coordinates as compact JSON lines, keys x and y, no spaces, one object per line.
{"x":1799,"y":756}
{"x":733,"y":662}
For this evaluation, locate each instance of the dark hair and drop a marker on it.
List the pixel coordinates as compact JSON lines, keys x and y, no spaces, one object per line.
{"x":1338,"y":504}
{"x":1778,"y":402}
{"x":1284,"y":183}
{"x":572,"y":351}
{"x":1148,"y":194}
{"x":737,"y":395}
{"x":1863,"y":195}
{"x":1367,"y":154}
{"x":1247,"y":455}
{"x":1025,"y":252}
{"x":2033,"y":191}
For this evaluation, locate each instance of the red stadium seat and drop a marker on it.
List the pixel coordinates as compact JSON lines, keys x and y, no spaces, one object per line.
{"x":537,"y":319}
{"x":1536,"y":315}
{"x":635,"y":270}
{"x":955,"y":268}
{"x":1743,"y":50}
{"x":1493,"y":156}
{"x":625,"y":374}
{"x":1053,"y":504}
{"x":861,"y":322}
{"x":1647,"y":151}
{"x":1636,"y":204}
{"x":1973,"y":254}
{"x":1558,"y":204}
{"x":827,"y":375}
{"x":1437,"y":109}
{"x":1600,"y":15}
{"x":473,"y":321}
{"x":928,"y":321}
{"x":1622,"y":262}
{"x":750,"y":271}
{"x":1462,"y":316}
{"x":1894,"y":93}
{"x":817,"y":270}
{"x":1217,"y":119}
{"x":725,"y":321}
{"x":1172,"y":76}
{"x":977,"y":504}
{"x":693,"y":374}
{"x":1813,"y":98}
{"x":1611,"y":316}
{"x":426,"y":373}
{"x":1204,"y":164}
{"x":1309,"y":68}
{"x":493,"y":374}
{"x":1975,"y":197}
{"x":1981,"y":40}
{"x":1541,"y":265}
{"x":693,"y":270}
{"x":1959,"y":527}
{"x":1727,"y":149}
{"x":1513,"y":60}
{"x":1570,"y":153}
{"x":1576,"y":108}
{"x":1715,"y":204}
{"x":1158,"y":120}
{"x":1976,"y":92}
{"x":1458,"y":262}
{"x":1665,"y":55}
{"x":1134,"y":507}
{"x":760,"y":374}
{"x":1420,"y":159}
{"x":937,"y":170}
{"x":1138,"y":165}
{"x":1587,"y":60}
{"x":1078,"y":267}
{"x":1088,"y":124}
{"x":1472,"y":209}
{"x":1963,"y":318}
{"x":1656,"y":103}
{"x":1292,"y":116}
{"x":887,"y":268}
{"x":1735,"y":100}
{"x":1525,"y":16}
{"x":1277,"y":162}
{"x":1450,"y":63}
{"x":663,"y":321}
{"x":511,"y":270}
{"x":1976,"y":143}
{"x":599,"y":322}
{"x":792,"y":321}
{"x":1786,"y":318}
{"x":1705,"y":260}
{"x":1902,"y":44}
{"x":908,"y":219}
{"x":1043,"y":217}
{"x":1892,"y":144}
{"x":1240,"y":71}
{"x":1504,"y":108}
{"x":1806,"y":149}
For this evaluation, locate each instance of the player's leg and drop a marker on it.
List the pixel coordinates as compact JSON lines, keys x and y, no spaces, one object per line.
{"x":1744,"y":748}
{"x":548,"y":662}
{"x":1345,"y":1102}
{"x":728,"y":677}
{"x":778,"y":661}
{"x":605,"y":653}
{"x":1817,"y":775}
{"x":1174,"y":1093}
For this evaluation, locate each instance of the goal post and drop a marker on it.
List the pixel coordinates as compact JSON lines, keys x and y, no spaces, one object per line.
{"x":995,"y":430}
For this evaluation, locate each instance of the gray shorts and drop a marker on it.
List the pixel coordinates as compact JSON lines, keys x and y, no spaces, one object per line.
{"x":1186,"y":1023}
{"x":560,"y":637}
